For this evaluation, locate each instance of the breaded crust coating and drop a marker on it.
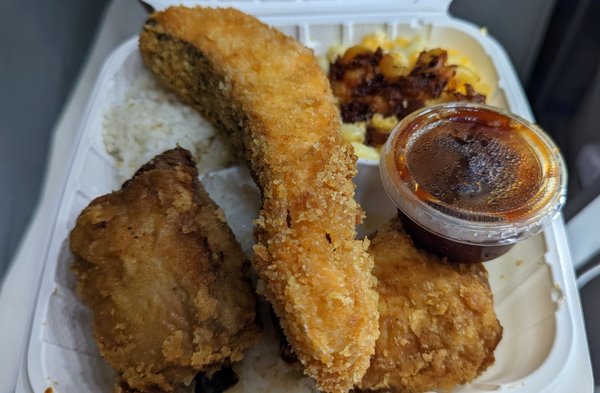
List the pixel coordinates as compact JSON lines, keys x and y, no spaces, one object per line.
{"x":163,"y":275}
{"x":437,"y":320}
{"x":269,"y":94}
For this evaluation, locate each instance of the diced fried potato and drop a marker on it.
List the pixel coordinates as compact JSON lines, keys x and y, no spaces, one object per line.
{"x":457,"y":58}
{"x":466,"y":76}
{"x":366,"y":152}
{"x":383,"y":123}
{"x":402,"y":42}
{"x":376,"y":40}
{"x":334,"y":52}
{"x":354,"y":132}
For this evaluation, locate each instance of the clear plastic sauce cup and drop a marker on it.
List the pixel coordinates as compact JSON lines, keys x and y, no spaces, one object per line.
{"x":471,"y":180}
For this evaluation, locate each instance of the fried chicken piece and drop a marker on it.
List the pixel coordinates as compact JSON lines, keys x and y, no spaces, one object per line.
{"x":437,"y":321}
{"x":269,"y":94}
{"x":162,"y":273}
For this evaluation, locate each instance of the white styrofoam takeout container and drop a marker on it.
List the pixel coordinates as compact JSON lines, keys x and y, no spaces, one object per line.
{"x":533,"y":285}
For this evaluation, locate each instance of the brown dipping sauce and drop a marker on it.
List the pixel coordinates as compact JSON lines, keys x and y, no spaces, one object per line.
{"x":478,"y":165}
{"x":475,"y":164}
{"x":454,"y":251}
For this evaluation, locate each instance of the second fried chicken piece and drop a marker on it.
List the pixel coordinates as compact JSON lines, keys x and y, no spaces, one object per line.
{"x":162,"y":273}
{"x":437,"y":321}
{"x":268,"y":92}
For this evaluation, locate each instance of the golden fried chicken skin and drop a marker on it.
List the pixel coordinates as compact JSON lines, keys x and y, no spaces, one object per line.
{"x":163,"y":276}
{"x":437,"y":321}
{"x":269,"y":94}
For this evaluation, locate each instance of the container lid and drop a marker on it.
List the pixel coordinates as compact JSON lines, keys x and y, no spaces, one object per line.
{"x":315,"y":7}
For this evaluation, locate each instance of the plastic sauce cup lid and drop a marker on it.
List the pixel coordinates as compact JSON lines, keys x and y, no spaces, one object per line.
{"x":473,"y":173}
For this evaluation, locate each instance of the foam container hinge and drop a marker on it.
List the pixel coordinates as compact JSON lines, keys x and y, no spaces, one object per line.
{"x":533,"y":286}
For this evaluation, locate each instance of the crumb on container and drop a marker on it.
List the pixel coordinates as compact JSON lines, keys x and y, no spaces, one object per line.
{"x":560,"y":295}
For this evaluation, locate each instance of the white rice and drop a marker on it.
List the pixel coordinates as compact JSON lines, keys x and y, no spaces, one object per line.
{"x":151,"y":120}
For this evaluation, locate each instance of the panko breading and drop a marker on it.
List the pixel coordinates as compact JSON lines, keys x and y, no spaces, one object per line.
{"x":269,"y":94}
{"x":162,"y":273}
{"x":437,"y":321}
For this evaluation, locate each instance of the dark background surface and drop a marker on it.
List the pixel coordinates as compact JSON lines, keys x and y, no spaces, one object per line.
{"x":43,"y":46}
{"x":554,"y":45}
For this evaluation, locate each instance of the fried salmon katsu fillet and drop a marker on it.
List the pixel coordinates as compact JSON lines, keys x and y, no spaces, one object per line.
{"x":269,"y":94}
{"x":162,"y":273}
{"x":437,"y":321}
